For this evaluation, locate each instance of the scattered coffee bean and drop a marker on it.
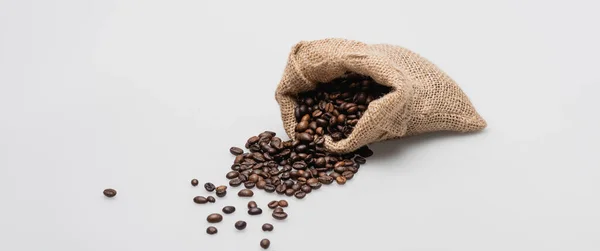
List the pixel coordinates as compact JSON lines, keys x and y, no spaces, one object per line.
{"x":211,"y":199}
{"x":235,"y":182}
{"x":109,"y":192}
{"x":325,"y":180}
{"x":228,"y":209}
{"x":194,"y":182}
{"x":306,"y":189}
{"x":282,"y":203}
{"x":279,"y":215}
{"x":267,"y":227}
{"x":254,"y":211}
{"x":209,"y":186}
{"x":221,"y":188}
{"x":341,"y":180}
{"x":221,"y":193}
{"x":232,"y":174}
{"x":236,"y":151}
{"x":265,"y":243}
{"x":269,"y":188}
{"x":300,"y":194}
{"x":261,"y":184}
{"x":252,"y":204}
{"x":290,"y":192}
{"x":348,"y":175}
{"x":278,"y":210}
{"x":200,"y":200}
{"x":240,"y":225}
{"x":211,"y":230}
{"x":360,"y":160}
{"x":214,"y":218}
{"x":249,"y":184}
{"x":273,"y":204}
{"x":245,"y":193}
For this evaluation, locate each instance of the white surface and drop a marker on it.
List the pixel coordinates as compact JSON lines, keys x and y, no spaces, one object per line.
{"x":97,"y":94}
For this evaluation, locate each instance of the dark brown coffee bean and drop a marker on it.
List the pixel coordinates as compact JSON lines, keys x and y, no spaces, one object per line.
{"x":211,"y":230}
{"x":200,"y":200}
{"x":339,"y":169}
{"x":296,"y":187}
{"x":194,"y":182}
{"x":280,"y":189}
{"x":266,"y":134}
{"x":302,"y":126}
{"x":290,"y":192}
{"x":245,"y":193}
{"x":252,"y":140}
{"x":269,"y":188}
{"x":273,"y":204}
{"x":252,"y":204}
{"x":282,"y":203}
{"x":334,"y":175}
{"x":278,"y":210}
{"x":300,"y":194}
{"x":306,"y":189}
{"x":253,"y":178}
{"x":360,"y":160}
{"x":214,"y":218}
{"x":261,"y":184}
{"x":254,"y":211}
{"x":279,"y":215}
{"x":312,"y":181}
{"x":235,"y":167}
{"x":109,"y":192}
{"x":243,"y":177}
{"x":236,"y":151}
{"x":299,"y":165}
{"x":232,"y":175}
{"x":341,"y":180}
{"x":228,"y":209}
{"x":267,"y":227}
{"x":211,"y":199}
{"x":221,"y":188}
{"x":238,"y":159}
{"x":304,"y":137}
{"x":348,"y":175}
{"x":221,"y":193}
{"x":240,"y":225}
{"x":352,"y":169}
{"x":249,"y":184}
{"x":265,"y":243}
{"x":288,"y":183}
{"x":235,"y":182}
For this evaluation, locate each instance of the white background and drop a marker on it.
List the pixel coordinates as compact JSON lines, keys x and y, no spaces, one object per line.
{"x":143,"y":96}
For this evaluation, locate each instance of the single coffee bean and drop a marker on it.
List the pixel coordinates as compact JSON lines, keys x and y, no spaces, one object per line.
{"x":109,"y":192}
{"x":341,"y":180}
{"x":240,"y":225}
{"x":305,"y":137}
{"x":282,"y":203}
{"x":290,"y":192}
{"x":267,"y":227}
{"x":269,"y":188}
{"x":245,"y":193}
{"x":200,"y":200}
{"x":261,"y":184}
{"x":273,"y":204}
{"x":211,"y":230}
{"x":254,"y":211}
{"x":279,"y":215}
{"x":228,"y":209}
{"x":249,"y":184}
{"x":265,"y":243}
{"x":360,"y":160}
{"x":334,"y":175}
{"x":214,"y":218}
{"x":302,"y":126}
{"x":300,"y":194}
{"x":252,"y":204}
{"x":236,"y":151}
{"x":253,"y":178}
{"x":211,"y":199}
{"x":252,"y":140}
{"x":221,"y":188}
{"x":306,"y":189}
{"x":238,"y":159}
{"x":194,"y":182}
{"x":209,"y":186}
{"x":235,"y":182}
{"x":221,"y":193}
{"x":278,"y":210}
{"x":348,"y":175}
{"x":288,"y":183}
{"x":232,"y":174}
{"x":280,"y":189}
{"x":312,"y":181}
{"x":296,"y":187}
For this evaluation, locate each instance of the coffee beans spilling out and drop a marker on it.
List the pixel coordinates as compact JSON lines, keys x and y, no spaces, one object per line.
{"x":211,"y":230}
{"x":194,"y":182}
{"x":265,"y":243}
{"x":109,"y":192}
{"x":334,"y":108}
{"x":214,"y":218}
{"x":240,"y":225}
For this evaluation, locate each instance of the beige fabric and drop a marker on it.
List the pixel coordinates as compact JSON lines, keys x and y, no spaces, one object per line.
{"x":423,"y":98}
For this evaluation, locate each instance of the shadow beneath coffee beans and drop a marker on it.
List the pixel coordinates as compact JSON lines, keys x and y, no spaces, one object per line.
{"x":396,"y":147}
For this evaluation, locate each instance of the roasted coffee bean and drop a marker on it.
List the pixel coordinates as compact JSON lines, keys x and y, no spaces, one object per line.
{"x":302,"y":126}
{"x":235,"y":182}
{"x":214,"y":218}
{"x":306,"y":189}
{"x":296,"y":187}
{"x":261,"y":184}
{"x":236,"y":150}
{"x":288,"y":183}
{"x":278,"y":210}
{"x":273,"y":204}
{"x":299,"y":165}
{"x":243,"y":177}
{"x":352,"y":169}
{"x":334,"y":175}
{"x":211,"y":230}
{"x":341,"y":180}
{"x":267,"y":227}
{"x":109,"y":192}
{"x":252,"y":140}
{"x":348,"y":175}
{"x":265,"y":243}
{"x":300,"y":194}
{"x":235,"y":167}
{"x":232,"y":175}
{"x":221,"y":188}
{"x":240,"y":225}
{"x":211,"y":199}
{"x":245,"y":193}
{"x":221,"y":193}
{"x":194,"y":182}
{"x":249,"y":184}
{"x":269,"y":188}
{"x":252,"y":204}
{"x":254,"y":211}
{"x":238,"y":159}
{"x":312,"y":182}
{"x":280,"y":189}
{"x":339,"y":169}
{"x":200,"y":200}
{"x":279,"y":215}
{"x":304,"y":137}
{"x":253,"y":178}
{"x":282,"y":203}
{"x":301,"y":148}
{"x":228,"y":209}
{"x":365,"y":152}
{"x":290,"y":192}
{"x":360,"y":160}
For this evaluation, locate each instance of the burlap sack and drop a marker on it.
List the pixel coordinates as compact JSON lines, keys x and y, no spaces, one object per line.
{"x":423,"y":98}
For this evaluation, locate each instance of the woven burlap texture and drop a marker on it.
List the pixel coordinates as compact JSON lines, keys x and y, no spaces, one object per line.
{"x":423,"y":98}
